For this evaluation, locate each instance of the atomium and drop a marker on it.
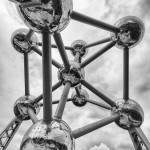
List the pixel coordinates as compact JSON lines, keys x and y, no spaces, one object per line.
{"x":49,"y":18}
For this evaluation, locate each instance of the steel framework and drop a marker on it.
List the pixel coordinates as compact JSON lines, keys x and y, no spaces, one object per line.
{"x":126,"y":113}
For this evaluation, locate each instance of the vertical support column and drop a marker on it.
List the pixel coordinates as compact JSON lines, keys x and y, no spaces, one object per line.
{"x":47,"y":77}
{"x":26,"y":74}
{"x":126,"y":73}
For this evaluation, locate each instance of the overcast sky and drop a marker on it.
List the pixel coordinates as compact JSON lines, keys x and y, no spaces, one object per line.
{"x":105,"y":72}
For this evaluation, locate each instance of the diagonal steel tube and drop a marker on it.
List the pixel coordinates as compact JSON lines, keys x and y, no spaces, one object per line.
{"x":98,"y":42}
{"x":126,"y":74}
{"x":66,"y":47}
{"x":63,"y":100}
{"x":98,"y":93}
{"x":77,"y":91}
{"x":26,"y":74}
{"x":96,"y":55}
{"x":61,"y":48}
{"x":93,"y":126}
{"x":56,"y":102}
{"x":142,"y":136}
{"x":29,"y":34}
{"x":55,"y":46}
{"x":99,"y":104}
{"x":32,"y":115}
{"x":91,"y":21}
{"x":54,"y":62}
{"x":47,"y":77}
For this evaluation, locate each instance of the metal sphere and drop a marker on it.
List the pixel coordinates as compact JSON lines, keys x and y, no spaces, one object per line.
{"x":53,"y":15}
{"x":73,"y":75}
{"x":21,"y":107}
{"x":132,"y":114}
{"x":76,"y":66}
{"x":131,"y":32}
{"x":20,"y":43}
{"x":79,"y":47}
{"x":80,"y":100}
{"x":54,"y":136}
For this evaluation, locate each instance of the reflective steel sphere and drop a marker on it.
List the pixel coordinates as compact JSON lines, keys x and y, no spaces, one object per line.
{"x":80,"y":100}
{"x":132,"y":114}
{"x":76,"y":66}
{"x":53,"y":15}
{"x":21,"y":107}
{"x":55,"y":136}
{"x":72,"y":75}
{"x":131,"y":32}
{"x":20,"y":43}
{"x":79,"y":47}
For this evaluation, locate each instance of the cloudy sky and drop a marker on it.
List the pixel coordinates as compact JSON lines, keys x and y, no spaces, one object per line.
{"x":105,"y":73}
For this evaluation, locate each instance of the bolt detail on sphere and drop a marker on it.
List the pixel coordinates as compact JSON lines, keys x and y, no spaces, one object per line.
{"x":48,"y":18}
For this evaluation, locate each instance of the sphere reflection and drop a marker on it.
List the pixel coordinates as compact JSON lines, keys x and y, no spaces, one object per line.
{"x":55,"y":136}
{"x":132,"y":114}
{"x":80,"y":100}
{"x":53,"y":15}
{"x":21,"y":107}
{"x":131,"y":32}
{"x":79,"y":47}
{"x":20,"y":43}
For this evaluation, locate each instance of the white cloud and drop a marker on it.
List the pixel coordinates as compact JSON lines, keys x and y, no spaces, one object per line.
{"x":102,"y":146}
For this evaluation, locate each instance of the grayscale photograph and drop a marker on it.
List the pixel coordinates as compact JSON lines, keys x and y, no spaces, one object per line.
{"x":75,"y":75}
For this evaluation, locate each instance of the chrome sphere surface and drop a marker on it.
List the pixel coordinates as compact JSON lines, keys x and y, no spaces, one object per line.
{"x":72,"y":75}
{"x":55,"y":136}
{"x":80,"y":100}
{"x":79,"y":47}
{"x":131,"y":32}
{"x":20,"y":43}
{"x":132,"y":114}
{"x":76,"y":66}
{"x":21,"y":107}
{"x":53,"y":15}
